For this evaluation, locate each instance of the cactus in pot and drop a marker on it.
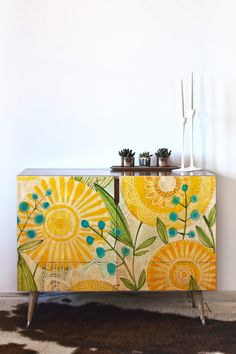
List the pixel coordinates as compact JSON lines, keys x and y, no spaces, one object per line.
{"x":163,"y":157}
{"x":145,"y":158}
{"x":127,"y":157}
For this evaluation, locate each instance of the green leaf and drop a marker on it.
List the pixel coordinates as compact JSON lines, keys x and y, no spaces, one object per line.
{"x":141,"y":253}
{"x":206,"y":221}
{"x":29,"y":246}
{"x":128,"y":284}
{"x":204,"y":238}
{"x":146,"y":243}
{"x":161,"y":230}
{"x":118,"y":220}
{"x":102,"y":181}
{"x":25,"y":279}
{"x":193,"y":285}
{"x":78,"y":178}
{"x":142,"y":279}
{"x":212,"y":216}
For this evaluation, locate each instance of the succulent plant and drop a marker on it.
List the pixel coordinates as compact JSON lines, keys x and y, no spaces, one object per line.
{"x":126,"y":153}
{"x":163,"y":152}
{"x":145,"y":154}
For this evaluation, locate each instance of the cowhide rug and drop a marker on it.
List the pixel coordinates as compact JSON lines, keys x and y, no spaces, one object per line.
{"x":61,"y":327}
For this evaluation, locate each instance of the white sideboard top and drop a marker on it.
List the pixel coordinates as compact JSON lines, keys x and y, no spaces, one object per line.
{"x":104,"y":172}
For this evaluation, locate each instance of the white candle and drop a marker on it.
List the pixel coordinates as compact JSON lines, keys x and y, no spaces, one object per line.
{"x":192,"y":91}
{"x":182,"y":97}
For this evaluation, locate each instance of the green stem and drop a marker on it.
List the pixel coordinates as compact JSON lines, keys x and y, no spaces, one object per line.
{"x":185,"y":214}
{"x":134,"y":250}
{"x":116,"y":252}
{"x":181,"y":220}
{"x":115,"y":240}
{"x":19,"y":228}
{"x":29,"y":216}
{"x":35,"y":269}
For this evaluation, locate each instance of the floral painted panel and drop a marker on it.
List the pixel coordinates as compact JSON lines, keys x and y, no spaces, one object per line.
{"x":172,"y":223}
{"x":74,"y":236}
{"x":62,"y":225}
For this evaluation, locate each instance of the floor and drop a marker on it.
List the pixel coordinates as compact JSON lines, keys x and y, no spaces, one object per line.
{"x":218,"y":305}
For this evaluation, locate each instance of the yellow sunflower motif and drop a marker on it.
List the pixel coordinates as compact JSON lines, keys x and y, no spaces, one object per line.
{"x":92,"y":285}
{"x":172,"y":266}
{"x":147,"y":197}
{"x":58,"y":213}
{"x":27,"y":178}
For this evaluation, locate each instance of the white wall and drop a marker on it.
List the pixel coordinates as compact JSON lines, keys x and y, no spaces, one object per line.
{"x":80,"y":79}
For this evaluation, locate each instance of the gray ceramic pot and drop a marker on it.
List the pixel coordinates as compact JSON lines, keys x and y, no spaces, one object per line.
{"x":144,"y":161}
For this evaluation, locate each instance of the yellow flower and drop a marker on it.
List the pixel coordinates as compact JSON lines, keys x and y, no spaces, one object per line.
{"x":148,"y":197}
{"x":92,"y":285}
{"x":62,"y":205}
{"x":172,"y":265}
{"x":26,"y":178}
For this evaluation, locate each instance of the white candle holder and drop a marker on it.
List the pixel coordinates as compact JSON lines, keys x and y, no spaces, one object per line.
{"x":191,"y":114}
{"x":183,"y":121}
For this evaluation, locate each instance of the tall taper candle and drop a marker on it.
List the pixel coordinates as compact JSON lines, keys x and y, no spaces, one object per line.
{"x":182,"y":97}
{"x":192,"y":91}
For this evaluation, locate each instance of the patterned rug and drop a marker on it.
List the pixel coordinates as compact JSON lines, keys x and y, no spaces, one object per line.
{"x":61,"y":327}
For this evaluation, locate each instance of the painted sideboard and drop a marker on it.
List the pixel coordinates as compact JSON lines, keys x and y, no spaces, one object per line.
{"x":93,"y":230}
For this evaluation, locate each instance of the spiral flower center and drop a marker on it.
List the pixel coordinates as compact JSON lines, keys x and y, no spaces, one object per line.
{"x":166,"y":184}
{"x":180,"y":273}
{"x":62,"y":223}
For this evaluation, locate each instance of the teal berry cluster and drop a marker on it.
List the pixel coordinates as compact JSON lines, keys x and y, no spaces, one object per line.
{"x":101,"y":252}
{"x":185,"y":202}
{"x":29,"y":210}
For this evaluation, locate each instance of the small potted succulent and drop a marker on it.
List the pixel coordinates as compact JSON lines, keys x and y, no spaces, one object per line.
{"x":127,"y":157}
{"x":163,"y":157}
{"x":145,"y":159}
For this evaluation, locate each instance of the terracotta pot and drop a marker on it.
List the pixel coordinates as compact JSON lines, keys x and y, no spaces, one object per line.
{"x":128,"y":161}
{"x":164,"y":161}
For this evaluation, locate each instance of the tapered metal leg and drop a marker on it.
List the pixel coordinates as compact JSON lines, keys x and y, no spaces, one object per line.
{"x":193,"y":298}
{"x":200,"y":305}
{"x":33,"y":298}
{"x":36,"y":298}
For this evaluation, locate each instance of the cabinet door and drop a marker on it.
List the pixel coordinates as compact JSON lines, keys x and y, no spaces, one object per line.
{"x":63,"y":234}
{"x":172,"y":224}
